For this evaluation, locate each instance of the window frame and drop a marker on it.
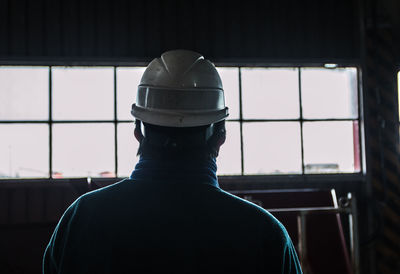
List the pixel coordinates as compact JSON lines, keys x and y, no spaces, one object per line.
{"x":226,"y":179}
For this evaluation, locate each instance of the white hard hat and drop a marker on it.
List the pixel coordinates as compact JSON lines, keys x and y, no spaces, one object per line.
{"x":180,"y":89}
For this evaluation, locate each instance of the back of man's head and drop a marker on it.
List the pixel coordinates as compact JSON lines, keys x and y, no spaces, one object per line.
{"x":180,"y":101}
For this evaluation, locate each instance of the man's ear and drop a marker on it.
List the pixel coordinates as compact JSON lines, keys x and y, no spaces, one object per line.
{"x":138,"y":131}
{"x":218,"y":138}
{"x":221,"y":139}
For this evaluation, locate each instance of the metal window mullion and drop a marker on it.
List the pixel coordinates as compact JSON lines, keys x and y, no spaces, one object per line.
{"x":293,"y":120}
{"x":359,"y":106}
{"x":82,"y":121}
{"x":241,"y":122}
{"x":50,"y":123}
{"x":115,"y":124}
{"x":130,"y":121}
{"x":24,"y":121}
{"x":301,"y":122}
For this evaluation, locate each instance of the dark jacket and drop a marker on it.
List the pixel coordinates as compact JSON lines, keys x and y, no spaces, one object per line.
{"x":168,"y":226}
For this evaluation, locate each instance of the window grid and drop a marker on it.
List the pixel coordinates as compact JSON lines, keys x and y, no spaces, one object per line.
{"x":301,"y":120}
{"x":115,"y":121}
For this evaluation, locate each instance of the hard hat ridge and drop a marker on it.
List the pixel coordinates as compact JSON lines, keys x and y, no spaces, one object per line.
{"x":185,"y":58}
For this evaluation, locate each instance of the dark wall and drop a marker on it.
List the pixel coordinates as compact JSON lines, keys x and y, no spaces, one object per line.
{"x":139,"y":30}
{"x":361,"y":32}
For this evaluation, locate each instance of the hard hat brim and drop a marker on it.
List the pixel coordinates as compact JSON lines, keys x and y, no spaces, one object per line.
{"x":176,"y":118}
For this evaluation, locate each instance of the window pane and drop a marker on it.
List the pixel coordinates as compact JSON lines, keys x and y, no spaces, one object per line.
{"x":329,"y":147}
{"x":24,"y":93}
{"x":24,"y":150}
{"x":230,"y":83}
{"x":329,"y":93}
{"x":228,"y":161}
{"x":127,"y":149}
{"x":83,"y":150}
{"x":128,"y":80}
{"x":270,"y":93}
{"x":271,"y":147}
{"x":83,"y":93}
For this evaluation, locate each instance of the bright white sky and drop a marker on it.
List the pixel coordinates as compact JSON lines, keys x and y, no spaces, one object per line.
{"x":83,"y":93}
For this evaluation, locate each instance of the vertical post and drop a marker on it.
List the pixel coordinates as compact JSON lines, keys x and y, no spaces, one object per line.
{"x":302,"y":232}
{"x":354,"y":240}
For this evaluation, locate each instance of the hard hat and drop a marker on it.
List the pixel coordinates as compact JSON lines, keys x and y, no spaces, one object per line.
{"x":180,"y":89}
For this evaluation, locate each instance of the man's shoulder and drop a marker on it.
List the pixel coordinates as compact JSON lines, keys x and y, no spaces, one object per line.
{"x":106,"y":190}
{"x":249,"y":210}
{"x":101,"y":196}
{"x":238,"y":202}
{"x":220,"y":201}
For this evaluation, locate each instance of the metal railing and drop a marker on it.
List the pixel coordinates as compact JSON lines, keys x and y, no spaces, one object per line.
{"x":347,"y":205}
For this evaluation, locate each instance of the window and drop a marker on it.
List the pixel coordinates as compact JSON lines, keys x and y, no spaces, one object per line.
{"x":76,"y":122}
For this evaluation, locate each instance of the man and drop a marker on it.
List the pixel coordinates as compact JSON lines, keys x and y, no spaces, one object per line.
{"x":171,"y":216}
